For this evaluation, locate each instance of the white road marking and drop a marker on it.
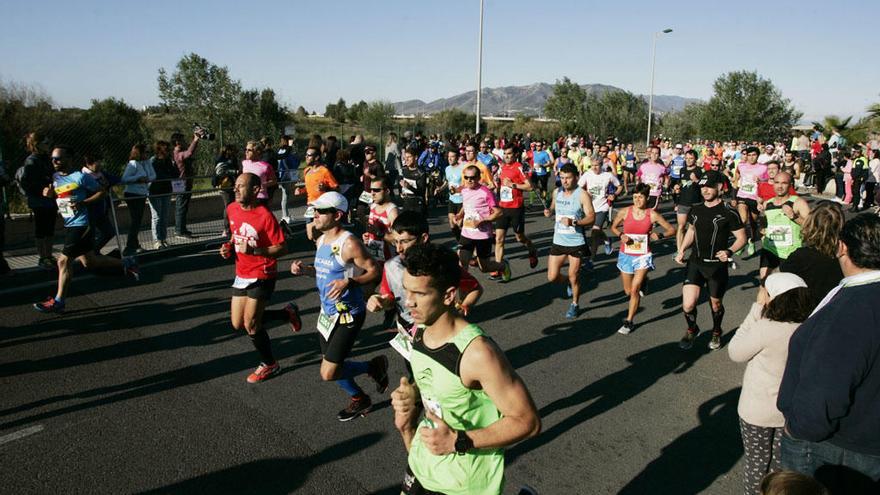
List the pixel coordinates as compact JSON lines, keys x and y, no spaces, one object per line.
{"x":20,"y":434}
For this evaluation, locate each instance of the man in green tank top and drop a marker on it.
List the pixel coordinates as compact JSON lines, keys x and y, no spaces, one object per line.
{"x":785,"y":214}
{"x":474,"y":403}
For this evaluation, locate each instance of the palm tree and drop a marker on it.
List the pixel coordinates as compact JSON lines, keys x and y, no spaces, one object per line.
{"x":833,"y":122}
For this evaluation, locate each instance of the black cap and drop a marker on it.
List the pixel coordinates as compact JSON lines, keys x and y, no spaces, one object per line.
{"x":711,"y":179}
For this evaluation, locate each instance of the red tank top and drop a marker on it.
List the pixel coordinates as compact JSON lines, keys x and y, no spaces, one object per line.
{"x":377,"y":226}
{"x":639,"y":233}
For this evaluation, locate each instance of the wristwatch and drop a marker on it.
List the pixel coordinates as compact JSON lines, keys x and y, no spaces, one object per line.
{"x":463,"y":443}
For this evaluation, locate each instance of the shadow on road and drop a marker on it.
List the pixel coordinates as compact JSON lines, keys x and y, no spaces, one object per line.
{"x":269,"y":476}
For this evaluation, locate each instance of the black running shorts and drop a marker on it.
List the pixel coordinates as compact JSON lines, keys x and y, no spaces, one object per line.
{"x":260,"y":290}
{"x":77,"y":241}
{"x":342,"y":339}
{"x":714,"y":275}
{"x":513,"y":218}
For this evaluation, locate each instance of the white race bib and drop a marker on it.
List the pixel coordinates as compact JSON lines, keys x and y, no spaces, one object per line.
{"x":639,"y":244}
{"x":402,"y":345}
{"x":366,"y":197}
{"x":748,"y":187}
{"x":471,"y":219}
{"x":506,"y":194}
{"x":65,"y":208}
{"x":376,"y":249}
{"x":178,"y":186}
{"x":781,"y":235}
{"x":565,"y":229}
{"x":242,"y":283}
{"x":326,"y":324}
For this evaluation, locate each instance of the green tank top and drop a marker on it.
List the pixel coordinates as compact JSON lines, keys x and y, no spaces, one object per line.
{"x":437,"y":375}
{"x":783,"y":235}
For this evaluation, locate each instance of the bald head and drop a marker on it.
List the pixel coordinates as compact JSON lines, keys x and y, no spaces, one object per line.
{"x":782,"y":184}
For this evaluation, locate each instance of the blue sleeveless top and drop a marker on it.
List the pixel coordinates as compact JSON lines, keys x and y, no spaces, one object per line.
{"x":568,"y":206}
{"x":328,"y":267}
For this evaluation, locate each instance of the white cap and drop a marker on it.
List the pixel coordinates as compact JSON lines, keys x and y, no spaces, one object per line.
{"x":331,"y":199}
{"x":781,"y":282}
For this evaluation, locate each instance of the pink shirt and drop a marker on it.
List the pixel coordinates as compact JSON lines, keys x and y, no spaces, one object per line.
{"x":749,"y":176}
{"x":477,"y":204}
{"x":652,"y":174}
{"x":262,"y":170}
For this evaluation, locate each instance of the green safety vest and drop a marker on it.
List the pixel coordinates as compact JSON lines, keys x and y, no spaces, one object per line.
{"x":437,"y":376}
{"x":783,"y":235}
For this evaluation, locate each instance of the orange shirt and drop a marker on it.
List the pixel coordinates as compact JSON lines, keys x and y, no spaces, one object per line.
{"x":318,"y":175}
{"x":485,"y":174}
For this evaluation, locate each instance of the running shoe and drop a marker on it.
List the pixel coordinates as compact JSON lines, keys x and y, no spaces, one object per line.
{"x":47,"y":264}
{"x":293,"y":316}
{"x":50,"y":305}
{"x":263,"y":372}
{"x":131,"y":268}
{"x":626,"y":328}
{"x":587,"y":264}
{"x":607,"y":247}
{"x":750,"y":248}
{"x":715,"y":342}
{"x":473,"y":262}
{"x":495,"y":276}
{"x":568,"y":291}
{"x":379,"y":373}
{"x":533,"y":258}
{"x":687,"y":341}
{"x":505,"y":273}
{"x":572,"y":312}
{"x":359,"y":406}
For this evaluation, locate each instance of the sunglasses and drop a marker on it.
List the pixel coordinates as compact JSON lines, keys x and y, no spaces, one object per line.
{"x":311,"y":154}
{"x":56,"y":158}
{"x":325,"y":211}
{"x":469,"y":177}
{"x":376,"y":189}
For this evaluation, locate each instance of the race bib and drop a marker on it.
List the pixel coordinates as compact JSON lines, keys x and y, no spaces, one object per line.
{"x":242,"y":283}
{"x":781,"y":235}
{"x":639,"y":244}
{"x":326,"y":324}
{"x":65,"y":208}
{"x":565,"y":229}
{"x":402,"y":342}
{"x":471,"y":220}
{"x":376,"y":249}
{"x":506,"y":194}
{"x":366,"y":197}
{"x":409,"y":186}
{"x":178,"y":186}
{"x":433,"y":406}
{"x":748,"y":187}
{"x":310,"y":212}
{"x":596,"y":191}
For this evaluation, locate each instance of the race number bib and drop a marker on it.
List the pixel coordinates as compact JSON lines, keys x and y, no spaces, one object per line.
{"x":310,"y":212}
{"x":748,"y":186}
{"x":565,"y":229}
{"x":597,"y":191}
{"x":326,"y":324}
{"x":178,"y":186}
{"x":471,"y":221}
{"x":376,"y":248}
{"x":366,"y":197}
{"x":639,"y":244}
{"x":409,"y":187}
{"x":433,"y":406}
{"x":402,"y":342}
{"x":506,"y":194}
{"x":242,"y":283}
{"x":65,"y":208}
{"x":781,"y":235}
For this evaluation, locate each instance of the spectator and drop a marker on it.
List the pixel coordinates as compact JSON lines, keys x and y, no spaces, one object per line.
{"x":762,"y":341}
{"x":5,"y":180}
{"x":184,"y":158}
{"x":137,"y":177}
{"x":873,"y":178}
{"x":822,"y":168}
{"x":791,"y":483}
{"x":331,"y":147}
{"x":99,"y":211}
{"x":226,"y":170}
{"x":830,"y":392}
{"x":35,"y":180}
{"x":160,"y":193}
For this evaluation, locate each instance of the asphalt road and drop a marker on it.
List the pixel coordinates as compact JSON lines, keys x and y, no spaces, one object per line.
{"x":140,"y":388}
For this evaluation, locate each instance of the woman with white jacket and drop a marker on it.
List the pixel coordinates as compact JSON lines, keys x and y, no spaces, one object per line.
{"x":137,"y":177}
{"x":762,"y":342}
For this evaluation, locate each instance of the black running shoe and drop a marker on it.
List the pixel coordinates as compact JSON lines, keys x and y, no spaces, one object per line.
{"x":359,"y":406}
{"x":687,"y":341}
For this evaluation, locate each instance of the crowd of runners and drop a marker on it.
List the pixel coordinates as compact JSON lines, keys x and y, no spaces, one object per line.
{"x":809,"y":396}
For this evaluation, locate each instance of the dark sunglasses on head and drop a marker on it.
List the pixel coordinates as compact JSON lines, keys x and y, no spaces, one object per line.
{"x":469,"y":177}
{"x":325,"y":211}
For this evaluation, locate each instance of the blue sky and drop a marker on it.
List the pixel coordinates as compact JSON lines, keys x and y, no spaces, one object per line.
{"x":821,"y":55}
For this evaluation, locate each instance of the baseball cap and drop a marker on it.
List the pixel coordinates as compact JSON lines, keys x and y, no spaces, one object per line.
{"x":678,"y":146}
{"x":711,"y":179}
{"x":369,"y":147}
{"x":331,"y":199}
{"x":782,"y":282}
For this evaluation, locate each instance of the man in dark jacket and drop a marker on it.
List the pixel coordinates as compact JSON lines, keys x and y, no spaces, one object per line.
{"x":830,"y":392}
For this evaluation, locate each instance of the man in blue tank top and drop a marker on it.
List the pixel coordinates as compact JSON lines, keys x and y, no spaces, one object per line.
{"x":574,"y":212}
{"x":342,"y":266}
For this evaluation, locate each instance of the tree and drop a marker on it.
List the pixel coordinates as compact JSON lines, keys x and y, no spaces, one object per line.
{"x":112,"y":128}
{"x":747,"y":107}
{"x":614,"y":113}
{"x":377,"y":116}
{"x":453,"y":120}
{"x":336,"y":111}
{"x":356,"y":111}
{"x":301,"y":112}
{"x":682,"y":125}
{"x":566,"y":104}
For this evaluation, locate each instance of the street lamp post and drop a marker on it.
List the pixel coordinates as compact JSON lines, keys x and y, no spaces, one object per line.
{"x":651,"y":94}
{"x":479,"y":68}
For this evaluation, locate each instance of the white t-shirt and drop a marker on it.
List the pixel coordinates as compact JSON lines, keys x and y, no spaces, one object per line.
{"x":597,"y":186}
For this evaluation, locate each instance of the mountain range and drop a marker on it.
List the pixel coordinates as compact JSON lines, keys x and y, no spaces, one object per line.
{"x":529,"y":100}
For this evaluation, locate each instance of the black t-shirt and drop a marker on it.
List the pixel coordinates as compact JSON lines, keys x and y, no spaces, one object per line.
{"x":690,"y":189}
{"x":712,"y":227}
{"x":415,"y":180}
{"x":821,"y":273}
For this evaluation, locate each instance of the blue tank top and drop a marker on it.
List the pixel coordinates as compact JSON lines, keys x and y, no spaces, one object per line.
{"x":568,"y":206}
{"x":453,"y":178}
{"x":676,"y":166}
{"x":328,"y":267}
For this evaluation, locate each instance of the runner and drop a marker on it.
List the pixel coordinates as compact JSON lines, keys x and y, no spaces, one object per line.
{"x":748,"y":175}
{"x":574,"y":211}
{"x":785,"y":215}
{"x":378,"y":238}
{"x":604,"y":188}
{"x":635,"y":258}
{"x":74,"y":193}
{"x":513,"y":211}
{"x":652,"y":172}
{"x":453,"y":181}
{"x":413,"y":183}
{"x":710,"y":226}
{"x":318,"y":180}
{"x":543,"y":160}
{"x":484,"y":161}
{"x":475,"y":403}
{"x":342,"y":266}
{"x":257,"y":242}
{"x":689,"y":193}
{"x":411,"y":229}
{"x":478,"y":211}
{"x":675,"y":166}
{"x":629,"y":167}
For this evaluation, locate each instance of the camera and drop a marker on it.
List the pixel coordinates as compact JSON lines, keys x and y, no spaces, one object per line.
{"x":203,"y":132}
